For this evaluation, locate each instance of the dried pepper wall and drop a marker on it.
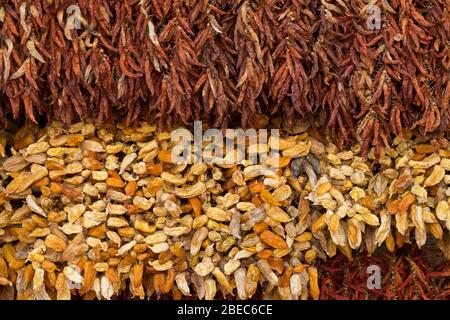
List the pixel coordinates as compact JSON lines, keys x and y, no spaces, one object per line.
{"x":220,"y":60}
{"x":304,"y":66}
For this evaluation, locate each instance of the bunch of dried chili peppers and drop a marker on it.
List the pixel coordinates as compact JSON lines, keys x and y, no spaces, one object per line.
{"x":411,"y":274}
{"x":221,"y":61}
{"x":244,"y":61}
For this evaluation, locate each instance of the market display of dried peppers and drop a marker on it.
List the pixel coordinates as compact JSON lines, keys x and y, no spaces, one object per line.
{"x":93,"y":205}
{"x":98,"y":212}
{"x":220,"y":60}
{"x":411,"y":275}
